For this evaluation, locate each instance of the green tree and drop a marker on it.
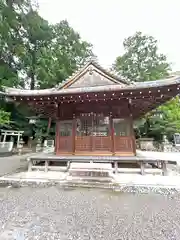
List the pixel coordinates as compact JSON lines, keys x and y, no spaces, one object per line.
{"x":12,"y":13}
{"x":11,"y":47}
{"x":34,"y":54}
{"x":168,"y":122}
{"x":4,"y":117}
{"x":63,"y":56}
{"x":37,"y":37}
{"x":141,"y":60}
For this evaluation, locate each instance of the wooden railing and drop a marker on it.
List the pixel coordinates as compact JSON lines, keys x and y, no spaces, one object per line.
{"x":123,"y":144}
{"x":101,"y":143}
{"x":95,"y":143}
{"x":83,"y":143}
{"x":92,"y":143}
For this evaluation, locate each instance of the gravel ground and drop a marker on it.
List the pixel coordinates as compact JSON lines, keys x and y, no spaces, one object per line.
{"x":65,"y":214}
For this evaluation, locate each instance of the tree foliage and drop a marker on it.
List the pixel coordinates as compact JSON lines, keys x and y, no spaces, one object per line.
{"x":34,"y":54}
{"x":63,"y":56}
{"x":168,"y":122}
{"x":4,"y":117}
{"x":141,"y":60}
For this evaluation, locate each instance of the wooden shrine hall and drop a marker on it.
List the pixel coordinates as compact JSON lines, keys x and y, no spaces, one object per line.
{"x":94,"y":109}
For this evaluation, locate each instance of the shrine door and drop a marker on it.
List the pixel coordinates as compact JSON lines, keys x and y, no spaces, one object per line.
{"x":93,"y":133}
{"x":123,"y":137}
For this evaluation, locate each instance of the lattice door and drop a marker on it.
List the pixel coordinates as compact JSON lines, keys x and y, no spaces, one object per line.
{"x":93,"y":133}
{"x":65,"y":139}
{"x":122,"y":137}
{"x":101,"y":134}
{"x":83,"y":141}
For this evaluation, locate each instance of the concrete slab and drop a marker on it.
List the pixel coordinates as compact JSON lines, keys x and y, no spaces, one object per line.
{"x":36,"y":175}
{"x":148,"y":180}
{"x":164,"y":156}
{"x":138,"y":170}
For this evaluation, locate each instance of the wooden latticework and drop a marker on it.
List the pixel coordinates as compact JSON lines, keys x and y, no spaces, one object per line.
{"x":65,"y":137}
{"x":123,"y":142}
{"x":92,"y":133}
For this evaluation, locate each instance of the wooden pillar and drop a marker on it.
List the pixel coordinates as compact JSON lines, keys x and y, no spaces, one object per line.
{"x":131,"y":127}
{"x":92,"y":137}
{"x":57,"y":130}
{"x":57,"y":136}
{"x":74,"y":134}
{"x":133,"y":136}
{"x":49,"y":125}
{"x":112,"y":133}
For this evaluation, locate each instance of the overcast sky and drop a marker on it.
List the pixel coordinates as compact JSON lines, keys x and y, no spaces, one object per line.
{"x":105,"y":23}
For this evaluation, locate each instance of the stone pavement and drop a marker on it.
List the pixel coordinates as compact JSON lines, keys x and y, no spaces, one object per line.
{"x":13,"y":163}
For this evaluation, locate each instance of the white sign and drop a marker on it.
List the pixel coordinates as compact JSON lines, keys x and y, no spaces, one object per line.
{"x":177,"y":139}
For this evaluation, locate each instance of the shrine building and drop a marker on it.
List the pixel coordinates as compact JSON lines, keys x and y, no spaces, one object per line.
{"x":94,"y":109}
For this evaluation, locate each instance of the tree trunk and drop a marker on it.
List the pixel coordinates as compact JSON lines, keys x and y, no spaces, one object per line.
{"x":33,"y":69}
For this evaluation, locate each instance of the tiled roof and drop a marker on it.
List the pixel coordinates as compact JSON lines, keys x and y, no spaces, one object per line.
{"x":117,"y":84}
{"x":115,"y":87}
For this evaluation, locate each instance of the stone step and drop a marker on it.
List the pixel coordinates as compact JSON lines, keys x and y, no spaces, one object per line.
{"x":99,"y":166}
{"x":91,"y":171}
{"x":89,"y":179}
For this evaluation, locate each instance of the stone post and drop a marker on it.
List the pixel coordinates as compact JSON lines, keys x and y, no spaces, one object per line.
{"x":38,"y":145}
{"x":29,"y":165}
{"x":164,"y":168}
{"x":46,"y":166}
{"x":142,"y":167}
{"x":4,"y":138}
{"x":20,"y":146}
{"x":116,"y":167}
